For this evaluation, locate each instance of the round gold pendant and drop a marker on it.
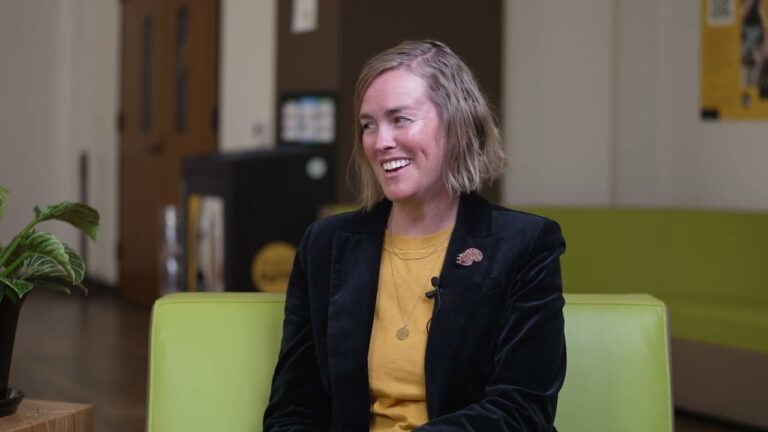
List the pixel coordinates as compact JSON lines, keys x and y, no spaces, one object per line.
{"x":402,"y":333}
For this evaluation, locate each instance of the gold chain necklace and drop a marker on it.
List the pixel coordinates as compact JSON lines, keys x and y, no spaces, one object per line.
{"x":394,"y":249}
{"x":403,"y":332}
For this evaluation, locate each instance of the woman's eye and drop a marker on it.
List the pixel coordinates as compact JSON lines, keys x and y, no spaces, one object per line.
{"x":400,"y":120}
{"x":367,"y":126}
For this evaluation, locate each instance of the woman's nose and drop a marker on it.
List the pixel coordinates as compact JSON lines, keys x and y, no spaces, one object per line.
{"x":385,"y":139}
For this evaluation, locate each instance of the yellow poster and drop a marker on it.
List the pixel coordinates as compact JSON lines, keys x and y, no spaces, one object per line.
{"x":734,"y":59}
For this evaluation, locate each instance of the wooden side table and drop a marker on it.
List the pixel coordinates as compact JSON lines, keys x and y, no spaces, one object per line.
{"x":49,"y":416}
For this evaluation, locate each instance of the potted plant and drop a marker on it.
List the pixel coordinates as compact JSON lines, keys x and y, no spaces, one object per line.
{"x":36,"y":259}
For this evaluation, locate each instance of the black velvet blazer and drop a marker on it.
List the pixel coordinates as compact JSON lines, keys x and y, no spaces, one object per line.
{"x":495,"y":356}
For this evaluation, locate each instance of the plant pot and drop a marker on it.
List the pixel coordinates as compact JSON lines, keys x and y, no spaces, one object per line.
{"x":9,"y":316}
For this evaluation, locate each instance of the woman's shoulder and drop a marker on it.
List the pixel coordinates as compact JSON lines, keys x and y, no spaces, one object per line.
{"x":354,"y":221}
{"x":510,"y":220}
{"x":335,"y":222}
{"x":537,"y":234}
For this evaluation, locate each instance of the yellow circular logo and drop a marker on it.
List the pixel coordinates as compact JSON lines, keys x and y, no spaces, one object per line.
{"x":271,"y":266}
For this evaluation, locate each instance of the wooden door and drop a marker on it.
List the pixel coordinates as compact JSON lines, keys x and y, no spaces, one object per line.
{"x":169,"y":93}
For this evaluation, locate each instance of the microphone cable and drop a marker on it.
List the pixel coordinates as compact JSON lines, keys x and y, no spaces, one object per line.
{"x":435,"y":293}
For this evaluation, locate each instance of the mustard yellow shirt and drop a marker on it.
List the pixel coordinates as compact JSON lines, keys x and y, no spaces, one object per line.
{"x":396,"y":364}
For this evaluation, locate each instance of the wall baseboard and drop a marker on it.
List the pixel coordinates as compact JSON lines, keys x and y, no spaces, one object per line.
{"x":720,"y":382}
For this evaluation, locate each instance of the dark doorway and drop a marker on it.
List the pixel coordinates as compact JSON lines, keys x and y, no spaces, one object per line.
{"x":169,"y":97}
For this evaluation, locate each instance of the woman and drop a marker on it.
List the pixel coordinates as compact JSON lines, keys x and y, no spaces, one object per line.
{"x":429,"y":308}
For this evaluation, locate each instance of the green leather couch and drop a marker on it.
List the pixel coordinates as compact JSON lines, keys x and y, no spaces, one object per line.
{"x":707,"y":267}
{"x":212,"y":357}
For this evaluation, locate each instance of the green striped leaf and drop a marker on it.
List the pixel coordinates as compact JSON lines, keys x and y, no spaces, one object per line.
{"x":3,"y":201}
{"x":18,"y":287}
{"x":42,"y":266}
{"x":76,"y":264}
{"x":79,"y":215}
{"x":45,"y":244}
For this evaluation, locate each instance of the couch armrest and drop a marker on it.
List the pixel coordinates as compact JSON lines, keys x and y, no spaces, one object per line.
{"x":212,"y":356}
{"x":618,"y":375}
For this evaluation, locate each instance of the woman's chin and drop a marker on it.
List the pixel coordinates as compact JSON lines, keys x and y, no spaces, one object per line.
{"x":396,"y":195}
{"x":404,"y":196}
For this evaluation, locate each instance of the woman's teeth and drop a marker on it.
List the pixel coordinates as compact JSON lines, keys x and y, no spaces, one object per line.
{"x":395,"y":164}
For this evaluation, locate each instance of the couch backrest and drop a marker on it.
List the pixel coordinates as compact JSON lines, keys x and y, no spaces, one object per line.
{"x":664,"y":252}
{"x":212,"y":356}
{"x":707,"y":266}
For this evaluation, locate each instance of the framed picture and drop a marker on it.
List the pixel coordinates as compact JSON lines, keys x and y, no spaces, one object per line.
{"x":307,"y":118}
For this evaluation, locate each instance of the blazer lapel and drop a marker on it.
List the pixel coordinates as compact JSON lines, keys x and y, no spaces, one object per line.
{"x":458,"y":286}
{"x":352,"y":298}
{"x":472,"y":230}
{"x":356,"y":257}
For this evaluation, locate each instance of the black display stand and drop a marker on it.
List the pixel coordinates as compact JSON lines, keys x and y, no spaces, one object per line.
{"x":269,"y":196}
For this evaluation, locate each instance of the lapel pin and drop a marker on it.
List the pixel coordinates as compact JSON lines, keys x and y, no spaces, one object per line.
{"x":469,"y":256}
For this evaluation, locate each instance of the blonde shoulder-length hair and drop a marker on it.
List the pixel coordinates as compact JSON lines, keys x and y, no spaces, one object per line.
{"x":474,"y":155}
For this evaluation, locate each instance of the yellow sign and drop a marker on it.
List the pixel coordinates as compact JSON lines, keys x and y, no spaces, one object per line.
{"x":734,"y":59}
{"x":271,"y":266}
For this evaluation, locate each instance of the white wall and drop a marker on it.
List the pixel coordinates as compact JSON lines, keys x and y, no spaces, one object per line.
{"x":701,"y":164}
{"x":27,"y":118}
{"x":59,"y":93}
{"x":637,"y":40}
{"x":248,"y":64}
{"x":98,"y":84}
{"x":667,"y":156}
{"x":601,"y":107}
{"x":34,"y":144}
{"x":558,"y":101}
{"x":600,"y":98}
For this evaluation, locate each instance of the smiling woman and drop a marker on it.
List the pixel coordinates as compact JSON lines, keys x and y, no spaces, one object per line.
{"x":430,"y":308}
{"x":473,"y":153}
{"x":403,"y":139}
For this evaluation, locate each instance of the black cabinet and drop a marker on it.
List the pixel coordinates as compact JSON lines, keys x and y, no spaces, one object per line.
{"x":244,"y":215}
